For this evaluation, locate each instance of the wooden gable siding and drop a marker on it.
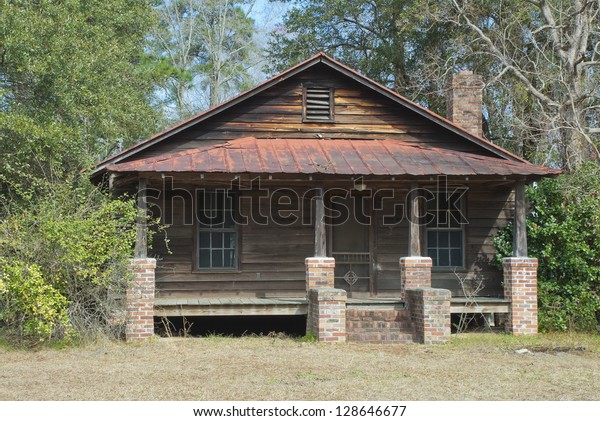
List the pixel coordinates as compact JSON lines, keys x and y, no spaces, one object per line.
{"x":271,"y":260}
{"x":359,"y":113}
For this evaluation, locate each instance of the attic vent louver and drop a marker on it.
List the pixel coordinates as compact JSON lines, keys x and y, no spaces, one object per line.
{"x":318,"y":104}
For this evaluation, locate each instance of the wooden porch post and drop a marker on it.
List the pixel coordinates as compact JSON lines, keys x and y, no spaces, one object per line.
{"x":320,"y":231}
{"x":141,"y":241}
{"x":520,"y":225}
{"x":326,"y":317}
{"x":139,"y":310}
{"x":415,"y":229}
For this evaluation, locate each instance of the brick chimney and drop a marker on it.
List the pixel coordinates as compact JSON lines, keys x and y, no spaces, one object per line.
{"x":464,"y":98}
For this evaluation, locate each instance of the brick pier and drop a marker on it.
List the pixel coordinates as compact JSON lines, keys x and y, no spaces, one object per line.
{"x":520,"y":287}
{"x":140,"y":300}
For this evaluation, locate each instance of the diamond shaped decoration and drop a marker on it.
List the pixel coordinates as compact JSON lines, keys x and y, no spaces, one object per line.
{"x":350,"y":277}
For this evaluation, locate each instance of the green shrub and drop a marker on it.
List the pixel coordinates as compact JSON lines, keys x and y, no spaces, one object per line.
{"x":563,"y":226}
{"x":308,"y":337}
{"x":64,"y":263}
{"x":31,"y":309}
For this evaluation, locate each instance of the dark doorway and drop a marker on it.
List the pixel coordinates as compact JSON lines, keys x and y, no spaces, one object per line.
{"x":350,"y":243}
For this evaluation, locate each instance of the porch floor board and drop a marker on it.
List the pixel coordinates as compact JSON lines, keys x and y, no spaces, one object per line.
{"x":173,"y":307}
{"x":483,"y":305}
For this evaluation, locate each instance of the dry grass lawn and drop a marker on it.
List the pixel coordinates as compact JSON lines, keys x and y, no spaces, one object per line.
{"x":472,"y":367}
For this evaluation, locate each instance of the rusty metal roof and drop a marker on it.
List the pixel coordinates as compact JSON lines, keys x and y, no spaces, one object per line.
{"x":328,"y":156}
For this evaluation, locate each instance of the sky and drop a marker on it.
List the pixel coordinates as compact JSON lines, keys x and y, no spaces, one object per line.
{"x":267,"y":15}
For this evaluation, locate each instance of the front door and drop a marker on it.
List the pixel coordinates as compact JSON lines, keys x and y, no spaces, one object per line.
{"x":349,"y":245}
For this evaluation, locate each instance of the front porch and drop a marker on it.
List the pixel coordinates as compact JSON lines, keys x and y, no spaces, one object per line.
{"x":367,"y":320}
{"x":186,"y":307}
{"x":359,"y":300}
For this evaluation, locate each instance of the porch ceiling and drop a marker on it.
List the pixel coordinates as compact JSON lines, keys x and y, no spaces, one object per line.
{"x":328,"y":156}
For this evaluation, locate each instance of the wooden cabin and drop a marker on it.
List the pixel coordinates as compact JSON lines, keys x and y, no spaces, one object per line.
{"x":321,"y":162}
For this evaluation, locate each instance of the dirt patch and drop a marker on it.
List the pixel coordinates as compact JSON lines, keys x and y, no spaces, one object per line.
{"x":215,"y":368}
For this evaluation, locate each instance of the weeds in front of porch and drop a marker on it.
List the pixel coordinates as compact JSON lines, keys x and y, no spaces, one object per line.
{"x":308,"y":337}
{"x":216,"y":337}
{"x":471,"y":289}
{"x":169,"y":330}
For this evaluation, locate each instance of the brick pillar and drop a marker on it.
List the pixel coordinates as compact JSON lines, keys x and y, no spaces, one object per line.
{"x":319,"y":272}
{"x":327,"y":314}
{"x":415,"y":272}
{"x":520,"y":287}
{"x":430,"y":313}
{"x":140,"y":300}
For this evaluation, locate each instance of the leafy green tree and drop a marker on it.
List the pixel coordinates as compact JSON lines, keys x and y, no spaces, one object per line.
{"x":73,"y":87}
{"x":205,"y":48}
{"x":546,"y":52}
{"x":390,"y":41}
{"x":564,"y":234}
{"x":540,"y":61}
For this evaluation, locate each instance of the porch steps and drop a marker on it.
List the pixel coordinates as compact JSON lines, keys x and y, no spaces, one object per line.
{"x":384,"y":324}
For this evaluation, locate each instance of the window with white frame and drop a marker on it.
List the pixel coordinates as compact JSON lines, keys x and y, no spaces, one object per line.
{"x":217,"y":231}
{"x":445,"y":230}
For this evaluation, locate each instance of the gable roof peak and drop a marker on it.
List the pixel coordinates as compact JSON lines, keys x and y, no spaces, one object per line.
{"x":320,"y":57}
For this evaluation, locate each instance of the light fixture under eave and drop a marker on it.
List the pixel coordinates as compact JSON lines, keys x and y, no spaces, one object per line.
{"x":360,"y":187}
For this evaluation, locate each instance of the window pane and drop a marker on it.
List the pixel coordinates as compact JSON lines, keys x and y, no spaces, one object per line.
{"x":444,"y":258}
{"x":443,"y":239}
{"x":432,"y":239}
{"x":456,"y":257}
{"x":433,"y":254}
{"x":217,"y":240}
{"x":217,"y":258}
{"x":456,"y":239}
{"x":204,"y":259}
{"x":216,"y":247}
{"x":229,"y":260}
{"x":445,"y":244}
{"x":204,"y":240}
{"x":229,"y":240}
